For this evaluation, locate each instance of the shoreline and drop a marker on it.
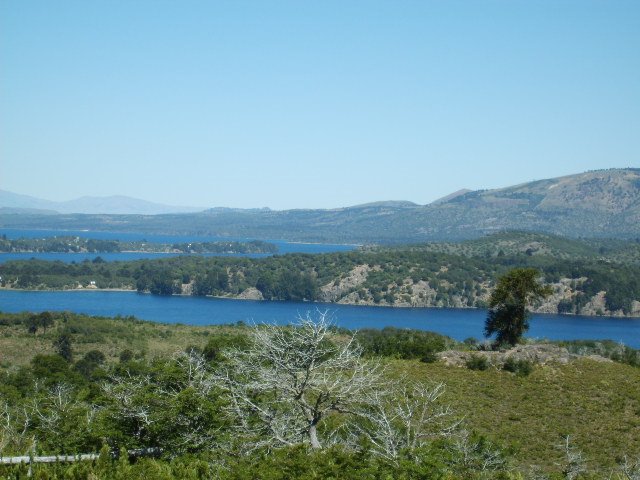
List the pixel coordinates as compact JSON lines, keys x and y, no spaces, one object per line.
{"x":225,"y":297}
{"x":84,"y":289}
{"x":165,"y":252}
{"x":319,"y":243}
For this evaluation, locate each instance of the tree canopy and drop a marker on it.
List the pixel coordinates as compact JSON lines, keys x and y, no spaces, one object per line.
{"x":508,"y":313}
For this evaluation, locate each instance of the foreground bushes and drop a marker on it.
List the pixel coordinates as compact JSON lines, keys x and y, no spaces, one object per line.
{"x":78,"y":405}
{"x":297,"y":463}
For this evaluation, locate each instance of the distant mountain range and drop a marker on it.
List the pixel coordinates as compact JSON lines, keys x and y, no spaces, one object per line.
{"x":603,"y":203}
{"x":115,"y":204}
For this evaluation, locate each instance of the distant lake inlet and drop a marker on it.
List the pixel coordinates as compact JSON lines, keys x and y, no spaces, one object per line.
{"x":283,"y":246}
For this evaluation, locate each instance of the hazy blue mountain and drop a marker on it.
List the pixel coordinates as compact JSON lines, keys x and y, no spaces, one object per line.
{"x":603,"y":203}
{"x":116,"y":204}
{"x":11,"y":200}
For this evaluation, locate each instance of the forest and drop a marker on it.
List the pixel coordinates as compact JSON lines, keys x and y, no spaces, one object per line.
{"x":70,"y":244}
{"x":439,"y":274}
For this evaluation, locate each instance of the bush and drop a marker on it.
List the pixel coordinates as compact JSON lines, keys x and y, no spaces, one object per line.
{"x":62,"y":345}
{"x":429,"y":357}
{"x":477,"y":362}
{"x":471,"y":342}
{"x":403,"y":343}
{"x":126,"y":355}
{"x":519,"y":367}
{"x":213,"y":350}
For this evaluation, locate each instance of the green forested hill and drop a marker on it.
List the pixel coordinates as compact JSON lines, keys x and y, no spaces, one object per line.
{"x":74,"y":244}
{"x":593,"y":277}
{"x":540,"y":244}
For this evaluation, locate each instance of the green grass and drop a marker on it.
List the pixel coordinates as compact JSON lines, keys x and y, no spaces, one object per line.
{"x":108,"y":335}
{"x":596,"y":403}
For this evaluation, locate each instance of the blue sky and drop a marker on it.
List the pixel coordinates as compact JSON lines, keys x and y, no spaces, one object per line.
{"x":309,"y":104}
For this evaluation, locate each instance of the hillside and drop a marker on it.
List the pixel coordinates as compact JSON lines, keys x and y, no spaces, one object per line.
{"x":539,"y":244}
{"x":588,"y":277}
{"x":603,"y":203}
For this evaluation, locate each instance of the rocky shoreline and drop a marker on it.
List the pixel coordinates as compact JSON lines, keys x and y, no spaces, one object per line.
{"x":254,"y":294}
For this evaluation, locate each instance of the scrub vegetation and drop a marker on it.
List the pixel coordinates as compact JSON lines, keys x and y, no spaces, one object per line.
{"x":304,"y":401}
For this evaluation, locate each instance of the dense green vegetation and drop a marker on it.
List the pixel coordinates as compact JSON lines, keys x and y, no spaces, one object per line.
{"x":540,"y":244}
{"x":404,"y":343}
{"x":449,"y":275}
{"x":90,"y":245}
{"x":509,"y":302}
{"x":125,"y":384}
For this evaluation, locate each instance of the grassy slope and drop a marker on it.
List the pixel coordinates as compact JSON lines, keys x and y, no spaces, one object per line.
{"x":110,"y":336}
{"x":598,"y":404}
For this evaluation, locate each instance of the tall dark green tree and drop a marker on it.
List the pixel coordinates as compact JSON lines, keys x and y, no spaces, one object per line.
{"x":45,"y":319}
{"x":32,"y":324}
{"x":62,"y":345}
{"x":508,"y":315}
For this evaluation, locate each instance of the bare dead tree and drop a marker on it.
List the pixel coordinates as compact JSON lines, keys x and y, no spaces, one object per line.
{"x":282,"y":388}
{"x":574,"y":462}
{"x":50,"y":411}
{"x":630,"y":469}
{"x":125,"y":390}
{"x":7,"y":426}
{"x":475,"y":454}
{"x":177,"y":410}
{"x":14,"y":428}
{"x":191,"y":432}
{"x":197,"y":374}
{"x":400,"y":418}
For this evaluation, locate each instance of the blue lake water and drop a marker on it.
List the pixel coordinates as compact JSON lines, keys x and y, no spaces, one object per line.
{"x":283,"y":246}
{"x":111,"y":257}
{"x":457,"y":323}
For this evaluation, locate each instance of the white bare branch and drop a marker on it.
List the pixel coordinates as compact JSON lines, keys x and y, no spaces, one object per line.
{"x":630,"y":469}
{"x":574,"y":463}
{"x":400,"y":418}
{"x":475,"y":454}
{"x":125,"y":390}
{"x":194,"y":365}
{"x":282,"y":388}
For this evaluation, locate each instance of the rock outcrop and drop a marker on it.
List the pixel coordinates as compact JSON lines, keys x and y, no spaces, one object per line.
{"x":540,"y":354}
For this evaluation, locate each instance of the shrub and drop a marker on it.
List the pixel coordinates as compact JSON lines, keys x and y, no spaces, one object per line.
{"x":213,"y":350}
{"x":429,"y":357}
{"x":126,"y":355}
{"x":477,"y":362}
{"x":519,"y":367}
{"x":471,"y":342}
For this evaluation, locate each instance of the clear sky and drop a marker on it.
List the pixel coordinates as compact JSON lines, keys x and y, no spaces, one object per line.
{"x":320,"y":104}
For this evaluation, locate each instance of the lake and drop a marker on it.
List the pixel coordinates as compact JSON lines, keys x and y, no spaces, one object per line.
{"x":283,"y":246}
{"x":457,"y":323}
{"x":112,"y":257}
